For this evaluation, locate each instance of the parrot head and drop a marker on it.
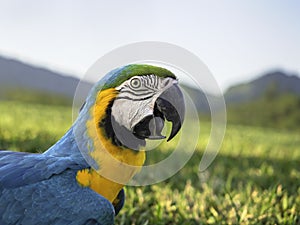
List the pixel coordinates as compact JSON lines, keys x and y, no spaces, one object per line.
{"x":143,"y":103}
{"x":139,"y":100}
{"x":125,"y":108}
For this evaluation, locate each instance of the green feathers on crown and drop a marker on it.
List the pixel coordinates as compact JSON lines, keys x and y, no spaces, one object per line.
{"x":118,"y":76}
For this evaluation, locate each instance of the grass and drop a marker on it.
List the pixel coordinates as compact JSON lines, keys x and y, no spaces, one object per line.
{"x":255,"y":178}
{"x":32,"y":127}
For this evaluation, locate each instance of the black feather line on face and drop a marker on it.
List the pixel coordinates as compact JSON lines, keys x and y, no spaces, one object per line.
{"x":106,"y":125}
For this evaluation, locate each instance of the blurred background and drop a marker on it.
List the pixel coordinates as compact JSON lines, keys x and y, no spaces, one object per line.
{"x":251,"y":47}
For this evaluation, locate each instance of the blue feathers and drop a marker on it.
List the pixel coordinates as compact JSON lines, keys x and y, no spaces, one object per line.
{"x":19,"y":169}
{"x":42,"y":188}
{"x":59,"y":200}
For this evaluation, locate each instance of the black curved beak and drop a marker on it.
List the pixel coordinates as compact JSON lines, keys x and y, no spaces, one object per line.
{"x":170,"y":106}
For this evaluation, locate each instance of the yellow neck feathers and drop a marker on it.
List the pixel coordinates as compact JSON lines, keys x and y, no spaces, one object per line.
{"x":117,"y":165}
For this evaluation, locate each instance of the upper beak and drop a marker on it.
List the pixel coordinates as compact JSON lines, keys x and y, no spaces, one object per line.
{"x":172,"y":107}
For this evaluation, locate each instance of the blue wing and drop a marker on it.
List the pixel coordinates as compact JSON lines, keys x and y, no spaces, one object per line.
{"x":19,"y":168}
{"x":39,"y":189}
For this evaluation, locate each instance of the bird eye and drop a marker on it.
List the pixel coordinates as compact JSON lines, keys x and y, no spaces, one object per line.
{"x":135,"y":83}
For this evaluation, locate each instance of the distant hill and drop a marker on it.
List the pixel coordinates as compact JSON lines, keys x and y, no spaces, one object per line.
{"x":200,"y":99}
{"x":23,"y":81}
{"x":272,"y":100}
{"x":277,"y":82}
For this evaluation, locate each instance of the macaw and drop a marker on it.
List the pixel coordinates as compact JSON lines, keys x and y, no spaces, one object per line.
{"x":80,"y":179}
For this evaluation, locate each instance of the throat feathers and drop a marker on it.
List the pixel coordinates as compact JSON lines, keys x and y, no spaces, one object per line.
{"x":116,"y":164}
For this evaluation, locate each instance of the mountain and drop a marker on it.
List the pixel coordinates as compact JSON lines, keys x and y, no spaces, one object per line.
{"x":18,"y":78}
{"x":21,"y":81}
{"x":276,"y":83}
{"x":272,"y":100}
{"x":272,"y":85}
{"x":201,"y":100}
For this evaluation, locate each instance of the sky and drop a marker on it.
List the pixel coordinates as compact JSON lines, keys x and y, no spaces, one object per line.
{"x":237,"y":40}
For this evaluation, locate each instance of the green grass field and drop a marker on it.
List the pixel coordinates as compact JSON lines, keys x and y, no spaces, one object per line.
{"x":255,"y":178}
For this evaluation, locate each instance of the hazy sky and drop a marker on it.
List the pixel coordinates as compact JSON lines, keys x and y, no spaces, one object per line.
{"x":235,"y":39}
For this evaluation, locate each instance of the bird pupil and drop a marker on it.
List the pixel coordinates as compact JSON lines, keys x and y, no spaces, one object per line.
{"x":135,"y":82}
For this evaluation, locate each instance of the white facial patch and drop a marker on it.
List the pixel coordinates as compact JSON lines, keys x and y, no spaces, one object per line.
{"x":137,"y":98}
